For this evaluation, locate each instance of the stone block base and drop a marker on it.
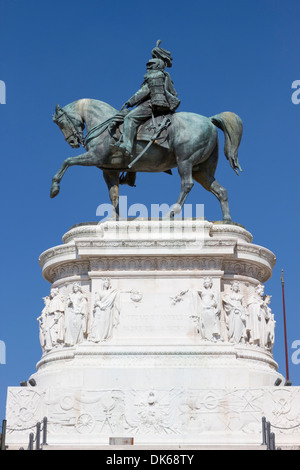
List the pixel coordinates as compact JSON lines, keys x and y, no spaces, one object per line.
{"x":158,"y":332}
{"x":179,"y":417}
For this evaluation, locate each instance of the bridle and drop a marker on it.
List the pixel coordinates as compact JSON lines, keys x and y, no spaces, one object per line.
{"x":61,"y":113}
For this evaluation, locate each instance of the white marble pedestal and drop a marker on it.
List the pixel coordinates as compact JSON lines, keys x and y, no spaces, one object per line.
{"x":158,"y":331}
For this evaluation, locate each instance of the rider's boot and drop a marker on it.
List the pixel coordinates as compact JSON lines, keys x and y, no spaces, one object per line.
{"x":129,"y":133}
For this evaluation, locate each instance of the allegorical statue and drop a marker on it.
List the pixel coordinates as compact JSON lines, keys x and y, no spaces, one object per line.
{"x":236,"y":314}
{"x":270,"y":324}
{"x":43,"y":330}
{"x":105,"y":313}
{"x":256,"y":316}
{"x":152,"y":137}
{"x":210,"y":326}
{"x":56,"y":310}
{"x":51,"y":321}
{"x":76,"y":316}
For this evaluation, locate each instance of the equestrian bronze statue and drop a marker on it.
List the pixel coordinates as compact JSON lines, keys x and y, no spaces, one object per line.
{"x":152,"y":137}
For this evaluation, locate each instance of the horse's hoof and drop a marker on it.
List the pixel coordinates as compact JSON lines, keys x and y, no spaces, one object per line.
{"x":175,"y":209}
{"x":169,"y":216}
{"x":54,"y":190}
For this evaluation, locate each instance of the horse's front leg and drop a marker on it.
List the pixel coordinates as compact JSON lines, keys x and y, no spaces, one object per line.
{"x":86,"y":159}
{"x":112,"y":180}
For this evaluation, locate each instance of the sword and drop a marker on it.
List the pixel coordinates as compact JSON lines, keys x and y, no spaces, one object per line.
{"x":164,"y":124}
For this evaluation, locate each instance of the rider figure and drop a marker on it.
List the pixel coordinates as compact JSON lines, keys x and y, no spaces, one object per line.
{"x":156,"y":96}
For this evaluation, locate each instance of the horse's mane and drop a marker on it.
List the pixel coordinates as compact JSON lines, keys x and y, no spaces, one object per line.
{"x":99,"y":108}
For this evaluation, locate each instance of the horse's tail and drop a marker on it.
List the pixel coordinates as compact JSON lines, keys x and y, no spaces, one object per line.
{"x":232,"y":126}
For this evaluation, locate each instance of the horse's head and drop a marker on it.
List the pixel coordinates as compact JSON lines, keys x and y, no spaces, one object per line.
{"x":70,"y":125}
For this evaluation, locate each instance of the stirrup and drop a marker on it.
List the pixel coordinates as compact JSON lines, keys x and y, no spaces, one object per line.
{"x":120,"y":148}
{"x":127,"y":178}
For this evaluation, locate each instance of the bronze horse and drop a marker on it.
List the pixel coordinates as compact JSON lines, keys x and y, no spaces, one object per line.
{"x":193,"y":149}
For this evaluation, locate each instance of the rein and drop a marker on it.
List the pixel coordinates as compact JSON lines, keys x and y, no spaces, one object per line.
{"x":118,"y":118}
{"x":103,"y":126}
{"x":100,"y":127}
{"x":74,"y":128}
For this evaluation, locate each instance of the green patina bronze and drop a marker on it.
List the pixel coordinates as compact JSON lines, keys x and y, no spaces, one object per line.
{"x":113,"y":142}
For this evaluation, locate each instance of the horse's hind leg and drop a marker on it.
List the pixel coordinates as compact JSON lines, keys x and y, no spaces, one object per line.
{"x":205,"y":176}
{"x":221,"y":193}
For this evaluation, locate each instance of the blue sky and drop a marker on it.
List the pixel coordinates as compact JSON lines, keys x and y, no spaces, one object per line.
{"x":234,"y":55}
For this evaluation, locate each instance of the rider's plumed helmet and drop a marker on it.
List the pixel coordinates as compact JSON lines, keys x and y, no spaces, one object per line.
{"x":156,"y":64}
{"x":162,"y":54}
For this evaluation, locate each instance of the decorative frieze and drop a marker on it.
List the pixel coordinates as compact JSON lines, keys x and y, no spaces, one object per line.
{"x":157,"y":414}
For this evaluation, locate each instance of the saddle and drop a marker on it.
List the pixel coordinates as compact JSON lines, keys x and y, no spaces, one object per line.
{"x":148,"y":129}
{"x":145,"y":132}
{"x":153,"y":128}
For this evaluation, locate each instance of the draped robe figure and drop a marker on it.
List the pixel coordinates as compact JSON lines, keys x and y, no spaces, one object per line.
{"x":55,"y":318}
{"x":235,"y":314}
{"x":269,"y":334}
{"x":105,"y":314}
{"x":42,"y":319}
{"x":76,"y":316}
{"x":256,"y":316}
{"x":210,"y":327}
{"x":51,"y":321}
